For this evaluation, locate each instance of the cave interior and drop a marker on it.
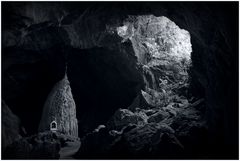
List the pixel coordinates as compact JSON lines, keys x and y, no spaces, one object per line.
{"x":104,"y":73}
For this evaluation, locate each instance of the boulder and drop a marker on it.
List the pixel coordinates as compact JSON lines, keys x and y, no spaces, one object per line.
{"x":124,"y":117}
{"x":143,"y":101}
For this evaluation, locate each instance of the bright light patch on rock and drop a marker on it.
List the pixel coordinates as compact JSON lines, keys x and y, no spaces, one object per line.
{"x":122,"y":31}
{"x":159,"y":44}
{"x":158,"y":36}
{"x":171,"y":40}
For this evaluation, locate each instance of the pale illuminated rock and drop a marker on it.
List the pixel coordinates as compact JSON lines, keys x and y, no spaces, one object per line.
{"x":158,"y":36}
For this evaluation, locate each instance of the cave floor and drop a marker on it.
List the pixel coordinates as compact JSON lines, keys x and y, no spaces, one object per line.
{"x":68,"y":151}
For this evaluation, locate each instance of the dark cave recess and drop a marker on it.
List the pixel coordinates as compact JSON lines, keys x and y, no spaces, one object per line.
{"x":100,"y":83}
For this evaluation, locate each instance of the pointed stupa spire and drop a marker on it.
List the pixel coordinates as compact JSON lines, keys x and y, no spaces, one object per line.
{"x":60,"y":107}
{"x":66,"y":70}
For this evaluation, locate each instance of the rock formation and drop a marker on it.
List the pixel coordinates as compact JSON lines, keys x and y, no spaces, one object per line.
{"x":60,"y":107}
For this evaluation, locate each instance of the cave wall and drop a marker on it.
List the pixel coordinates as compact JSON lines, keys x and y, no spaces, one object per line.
{"x":214,"y":74}
{"x":214,"y":69}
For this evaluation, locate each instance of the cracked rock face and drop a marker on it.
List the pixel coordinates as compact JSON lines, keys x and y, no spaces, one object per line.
{"x":60,"y":107}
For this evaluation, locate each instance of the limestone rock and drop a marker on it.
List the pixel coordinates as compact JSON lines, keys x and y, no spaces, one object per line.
{"x":60,"y":107}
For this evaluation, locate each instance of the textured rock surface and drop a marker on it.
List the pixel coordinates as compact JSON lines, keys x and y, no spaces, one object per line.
{"x":124,"y":117}
{"x":165,"y":132}
{"x":143,"y":100}
{"x":10,"y":126}
{"x":60,"y":107}
{"x":134,"y":141}
{"x":151,"y":140}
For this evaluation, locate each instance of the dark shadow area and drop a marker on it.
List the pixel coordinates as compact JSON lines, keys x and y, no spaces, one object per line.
{"x":28,"y":80}
{"x":101,"y":83}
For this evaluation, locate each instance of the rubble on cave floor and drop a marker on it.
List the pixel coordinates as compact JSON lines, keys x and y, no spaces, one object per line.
{"x":164,"y":130}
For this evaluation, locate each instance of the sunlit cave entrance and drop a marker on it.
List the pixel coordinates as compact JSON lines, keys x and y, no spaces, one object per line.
{"x":104,"y":80}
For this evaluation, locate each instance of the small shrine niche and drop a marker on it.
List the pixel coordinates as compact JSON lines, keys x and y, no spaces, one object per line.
{"x":53,"y":126}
